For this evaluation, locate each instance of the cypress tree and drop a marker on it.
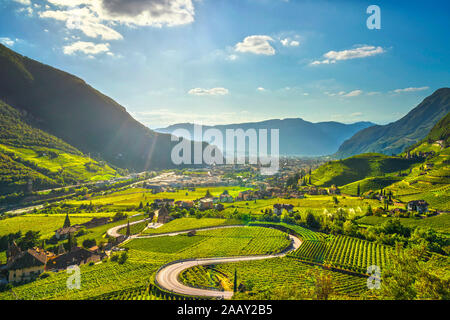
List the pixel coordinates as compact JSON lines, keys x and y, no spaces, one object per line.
{"x":66,"y":221}
{"x":128,"y":229}
{"x":235,"y":281}
{"x":358,"y":190}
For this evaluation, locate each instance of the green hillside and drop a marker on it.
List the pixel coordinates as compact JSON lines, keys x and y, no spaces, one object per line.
{"x":30,"y":154}
{"x":395,"y":137}
{"x":68,"y":108}
{"x":364,"y":166}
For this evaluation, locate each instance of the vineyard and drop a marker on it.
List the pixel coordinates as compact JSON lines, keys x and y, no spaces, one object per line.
{"x":191,"y":223}
{"x":344,"y":253}
{"x":265,"y":277}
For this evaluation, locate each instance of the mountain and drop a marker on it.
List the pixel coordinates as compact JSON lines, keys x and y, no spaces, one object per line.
{"x":68,"y":108}
{"x":28,"y":154}
{"x":393,"y":138}
{"x":297,"y":136}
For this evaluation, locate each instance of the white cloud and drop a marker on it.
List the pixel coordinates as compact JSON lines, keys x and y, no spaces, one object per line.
{"x":208,"y":92}
{"x":260,"y":89}
{"x":350,"y":94}
{"x":96,"y":18}
{"x":7,"y":41}
{"x":24,"y":2}
{"x":289,"y":43}
{"x":232,"y":57}
{"x":359,"y":52}
{"x":356,"y":114}
{"x":84,"y":20}
{"x":353,"y":93}
{"x":411,"y":89}
{"x":88,"y":48}
{"x":373,"y":93}
{"x":257,"y":44}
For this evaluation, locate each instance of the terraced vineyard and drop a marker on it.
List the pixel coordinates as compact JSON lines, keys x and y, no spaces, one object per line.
{"x":303,"y":233}
{"x":139,"y":293}
{"x":344,"y":253}
{"x":264,"y":278}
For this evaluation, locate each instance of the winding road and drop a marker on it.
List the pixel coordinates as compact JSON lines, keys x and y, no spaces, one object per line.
{"x":167,"y":276}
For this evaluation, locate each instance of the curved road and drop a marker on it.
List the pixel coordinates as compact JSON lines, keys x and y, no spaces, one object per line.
{"x":167,"y":275}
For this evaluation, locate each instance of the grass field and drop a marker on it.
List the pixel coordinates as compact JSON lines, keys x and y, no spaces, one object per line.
{"x":216,"y":243}
{"x":191,"y":223}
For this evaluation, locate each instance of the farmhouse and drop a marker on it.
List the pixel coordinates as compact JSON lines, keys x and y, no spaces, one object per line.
{"x":163,"y":215}
{"x":27,"y":265}
{"x":63,"y":233}
{"x":163,"y":202}
{"x":419,"y":206}
{"x":76,"y":256}
{"x":184,"y":204}
{"x":206,"y":204}
{"x":278,"y":208}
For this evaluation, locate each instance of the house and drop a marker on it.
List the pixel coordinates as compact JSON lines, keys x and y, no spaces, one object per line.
{"x":163,"y":215}
{"x":26,"y":265}
{"x":313,"y":191}
{"x":76,"y":256}
{"x":185,"y":204}
{"x":225,"y":197}
{"x":163,"y":202}
{"x":420,"y":206}
{"x":334,"y":190}
{"x":63,"y":233}
{"x":206,"y":204}
{"x":278,"y":208}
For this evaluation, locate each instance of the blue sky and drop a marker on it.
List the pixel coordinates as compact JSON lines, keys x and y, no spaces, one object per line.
{"x":229,"y":61}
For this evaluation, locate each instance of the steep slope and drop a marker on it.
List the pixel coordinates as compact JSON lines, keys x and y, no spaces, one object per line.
{"x":297,"y":136}
{"x":363,"y":166}
{"x":70,"y":109}
{"x":28,"y":154}
{"x":393,"y":138}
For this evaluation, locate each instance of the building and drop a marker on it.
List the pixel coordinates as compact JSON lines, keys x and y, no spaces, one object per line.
{"x":206,"y":204}
{"x":63,"y":233}
{"x":419,"y":206}
{"x":278,"y":208}
{"x":163,"y":202}
{"x":185,"y":204}
{"x":76,"y":256}
{"x":26,"y":265}
{"x":163,"y":215}
{"x":334,"y":190}
{"x":225,"y":197}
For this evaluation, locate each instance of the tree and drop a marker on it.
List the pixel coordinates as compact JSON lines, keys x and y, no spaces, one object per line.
{"x":358,"y":190}
{"x":235,"y":281}
{"x":311,"y":221}
{"x":410,"y":275}
{"x":208,"y":194}
{"x":128,"y":229}
{"x":66,"y":221}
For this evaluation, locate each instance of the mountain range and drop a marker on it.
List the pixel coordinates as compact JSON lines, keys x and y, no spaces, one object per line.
{"x":297,"y":136}
{"x":394,"y":137}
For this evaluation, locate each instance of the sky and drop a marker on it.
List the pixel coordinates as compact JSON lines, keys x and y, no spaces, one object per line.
{"x":233,"y":61}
